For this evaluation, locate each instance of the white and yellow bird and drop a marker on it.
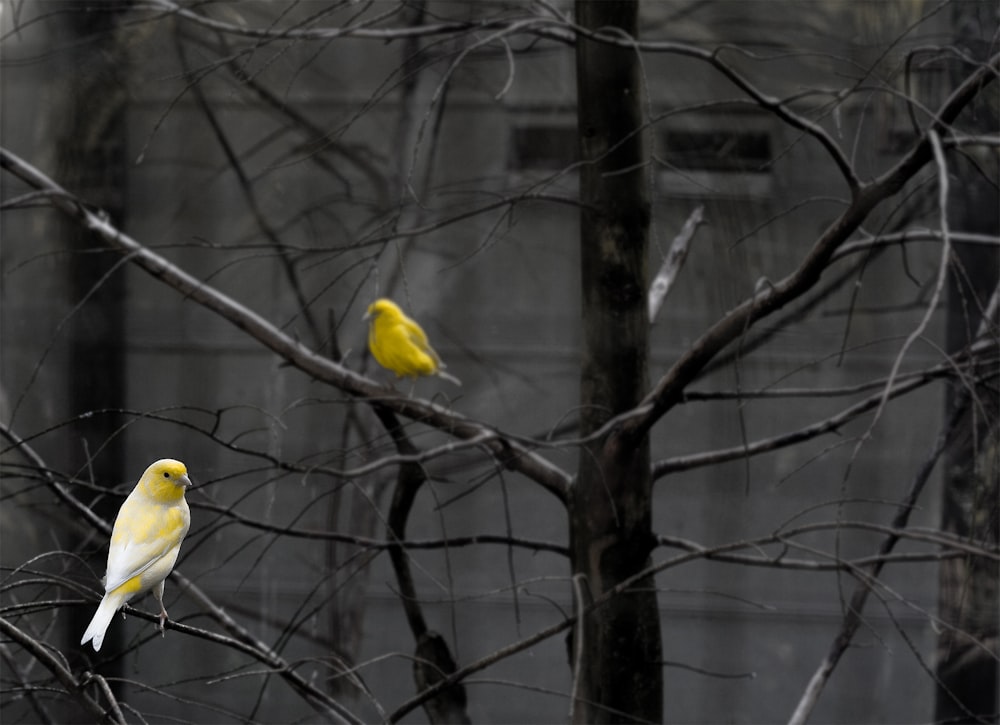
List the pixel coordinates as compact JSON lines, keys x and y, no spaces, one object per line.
{"x":145,"y":542}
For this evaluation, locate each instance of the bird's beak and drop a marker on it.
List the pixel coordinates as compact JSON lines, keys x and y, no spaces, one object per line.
{"x":185,"y":481}
{"x":367,"y":315}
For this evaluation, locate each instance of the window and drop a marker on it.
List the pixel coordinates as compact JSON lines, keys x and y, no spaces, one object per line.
{"x":718,"y":150}
{"x":542,"y":147}
{"x":716,"y":156}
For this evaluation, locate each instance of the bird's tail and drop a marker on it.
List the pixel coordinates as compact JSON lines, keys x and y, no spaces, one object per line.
{"x":102,"y":618}
{"x":449,"y":377}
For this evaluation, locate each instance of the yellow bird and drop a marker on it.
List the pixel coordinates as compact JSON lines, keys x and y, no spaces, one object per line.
{"x":399,"y":344}
{"x":145,"y":542}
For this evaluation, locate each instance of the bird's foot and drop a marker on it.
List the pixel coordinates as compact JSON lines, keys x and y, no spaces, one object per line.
{"x":163,"y":621}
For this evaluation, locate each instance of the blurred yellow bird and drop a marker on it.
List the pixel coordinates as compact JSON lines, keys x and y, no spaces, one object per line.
{"x":145,"y":542}
{"x":399,"y":344}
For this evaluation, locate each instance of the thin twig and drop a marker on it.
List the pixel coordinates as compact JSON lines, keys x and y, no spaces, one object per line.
{"x":102,"y":684}
{"x":833,"y":423}
{"x":852,"y":616}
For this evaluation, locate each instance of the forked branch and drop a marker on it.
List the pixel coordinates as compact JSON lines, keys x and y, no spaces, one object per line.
{"x":668,"y":391}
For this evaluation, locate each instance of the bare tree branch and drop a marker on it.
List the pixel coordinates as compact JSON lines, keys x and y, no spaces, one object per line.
{"x":892,"y":389}
{"x":363,"y":29}
{"x":72,"y":686}
{"x":508,"y":452}
{"x":693,"y":553}
{"x":911,"y":235}
{"x":853,"y":615}
{"x":250,"y":197}
{"x":668,"y":391}
{"x":251,"y":645}
{"x":673,"y":262}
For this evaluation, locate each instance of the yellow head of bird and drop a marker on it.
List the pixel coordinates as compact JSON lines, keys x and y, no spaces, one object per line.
{"x":165,"y":480}
{"x":382,"y":306}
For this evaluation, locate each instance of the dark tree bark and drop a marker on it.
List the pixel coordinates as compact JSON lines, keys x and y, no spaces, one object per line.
{"x":90,"y":147}
{"x":616,"y":648}
{"x":967,"y":667}
{"x":969,"y":596}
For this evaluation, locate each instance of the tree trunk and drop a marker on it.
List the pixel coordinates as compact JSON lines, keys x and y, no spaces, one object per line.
{"x":90,"y":149}
{"x":968,"y":646}
{"x":969,"y":588}
{"x":616,"y":649}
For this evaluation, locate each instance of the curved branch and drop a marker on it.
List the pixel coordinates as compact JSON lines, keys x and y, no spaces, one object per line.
{"x":432,"y":658}
{"x":895,"y":239}
{"x":74,"y":687}
{"x":395,"y":542}
{"x":511,"y":453}
{"x":853,"y":616}
{"x":409,"y":480}
{"x":766,"y":445}
{"x":362,"y":29}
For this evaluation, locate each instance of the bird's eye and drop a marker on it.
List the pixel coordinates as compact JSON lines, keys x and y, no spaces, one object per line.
{"x":166,"y":474}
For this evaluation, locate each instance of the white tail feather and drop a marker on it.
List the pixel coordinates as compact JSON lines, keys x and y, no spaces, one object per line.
{"x":449,"y":377}
{"x":102,"y":618}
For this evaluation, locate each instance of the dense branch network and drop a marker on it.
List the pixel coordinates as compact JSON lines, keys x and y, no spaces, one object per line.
{"x":668,"y":391}
{"x":843,"y":237}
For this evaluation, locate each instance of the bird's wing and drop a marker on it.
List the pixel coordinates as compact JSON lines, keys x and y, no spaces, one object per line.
{"x":132,"y":560}
{"x":144,"y":533}
{"x":415,"y":334}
